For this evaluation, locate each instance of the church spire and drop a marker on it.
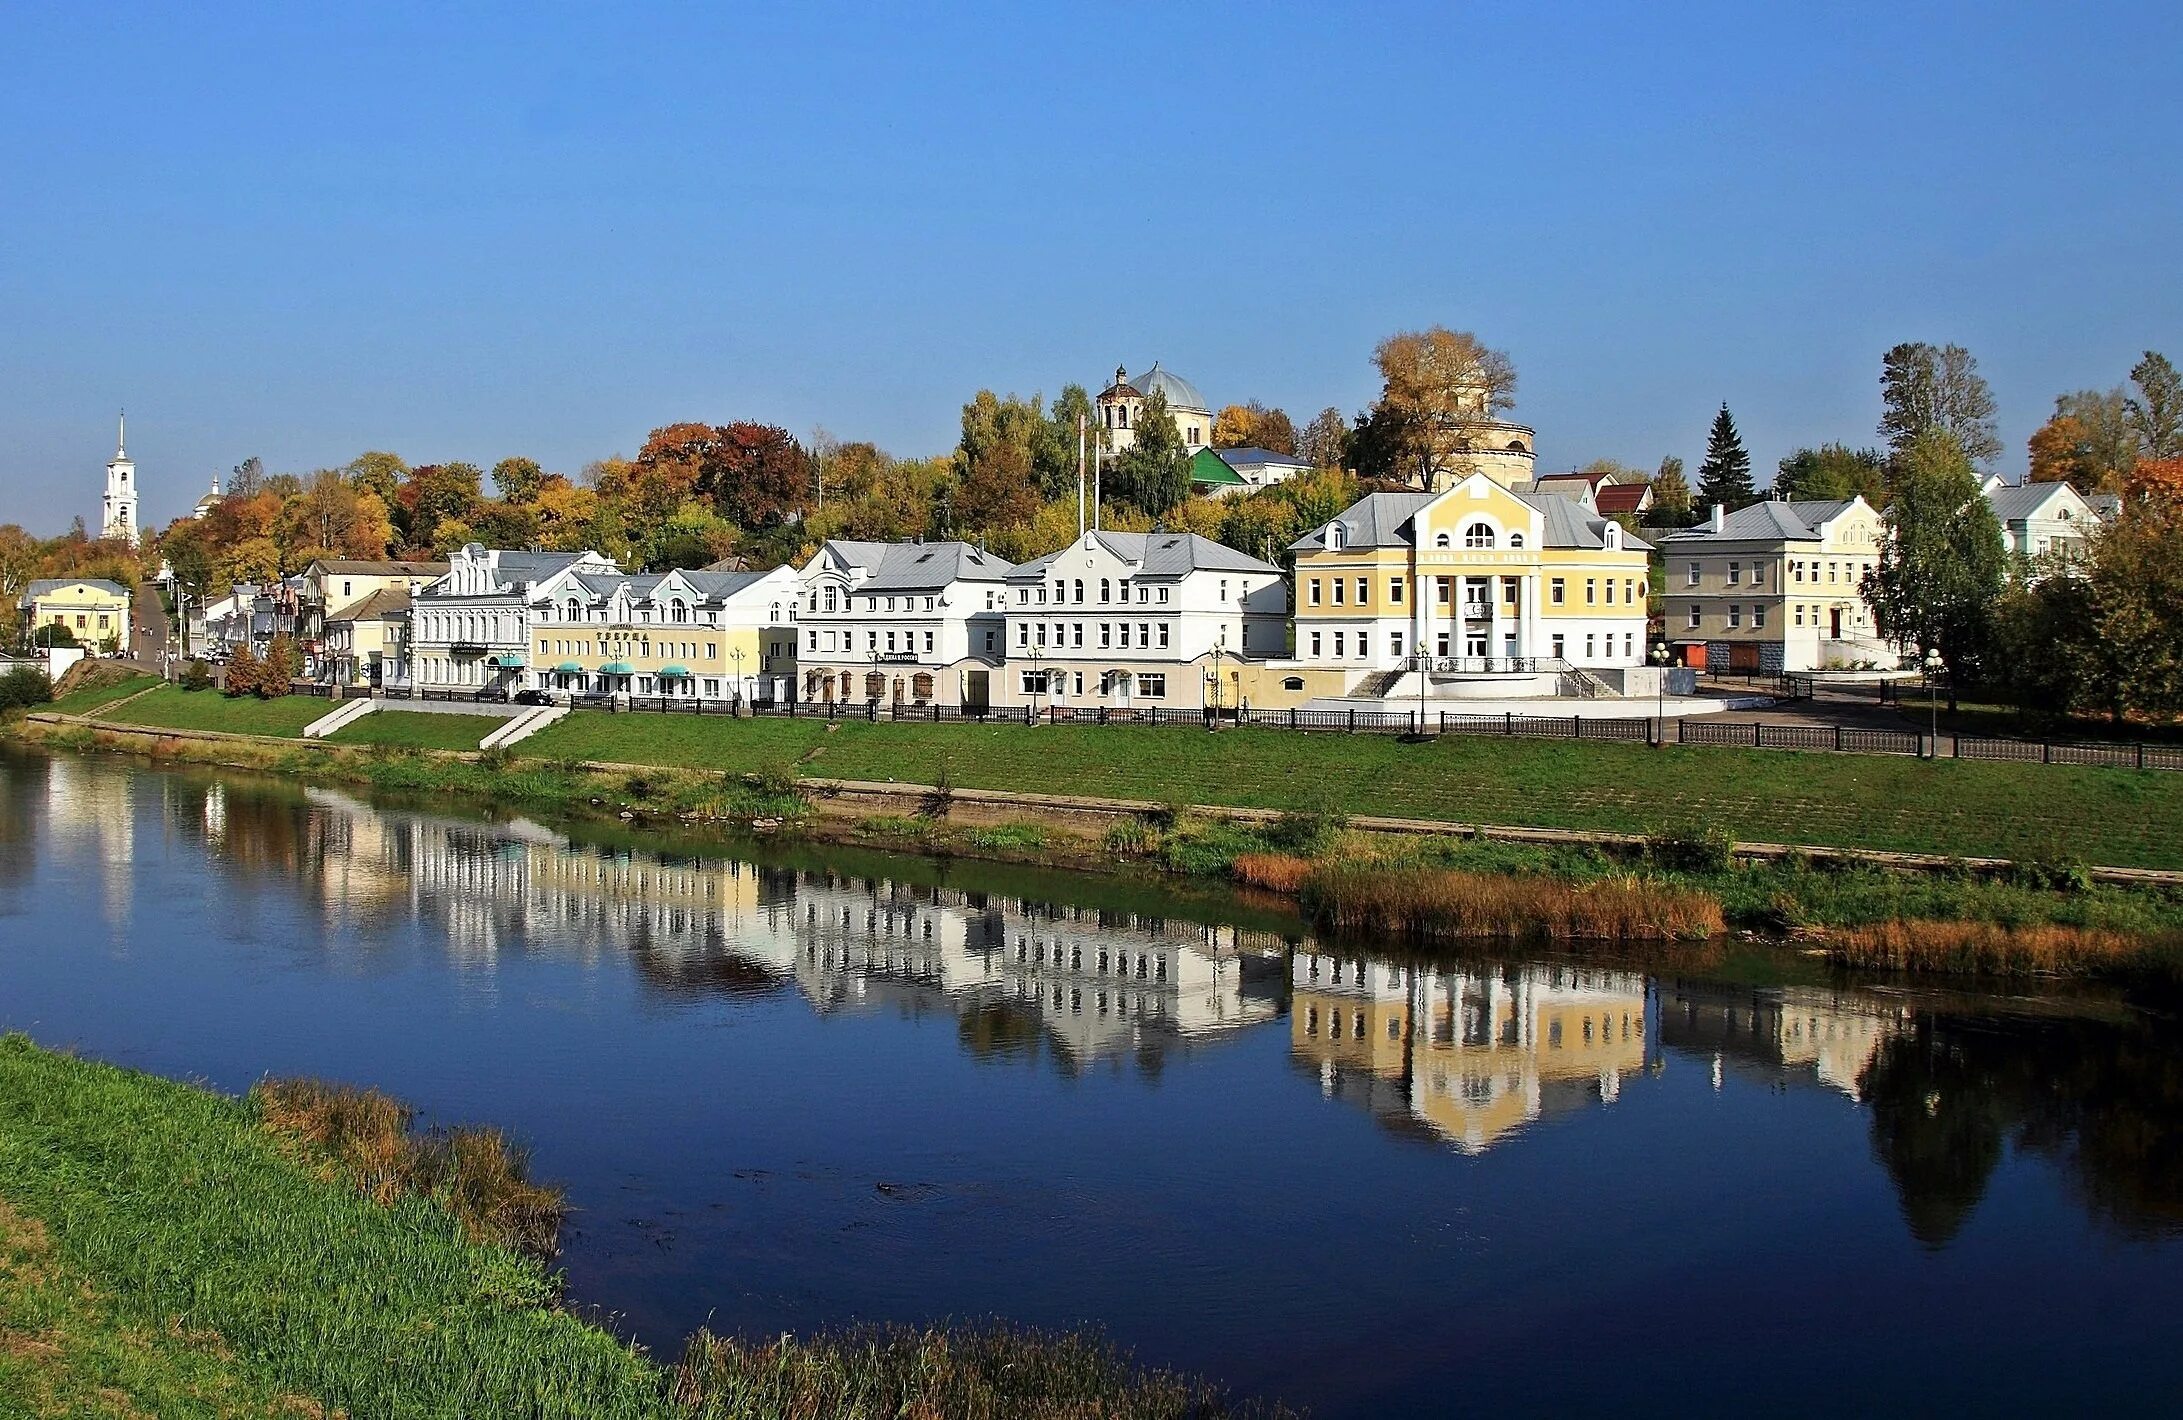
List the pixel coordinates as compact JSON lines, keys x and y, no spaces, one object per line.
{"x":121,"y":437}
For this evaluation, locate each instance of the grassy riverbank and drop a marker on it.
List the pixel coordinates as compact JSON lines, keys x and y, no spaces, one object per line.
{"x":1691,"y":882}
{"x":166,"y":1250}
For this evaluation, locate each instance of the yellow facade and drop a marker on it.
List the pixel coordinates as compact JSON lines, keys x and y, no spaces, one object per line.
{"x":1479,"y":572}
{"x":713,"y":656}
{"x":93,"y":611}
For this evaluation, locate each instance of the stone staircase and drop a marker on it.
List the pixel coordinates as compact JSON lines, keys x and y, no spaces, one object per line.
{"x":1376,"y":685}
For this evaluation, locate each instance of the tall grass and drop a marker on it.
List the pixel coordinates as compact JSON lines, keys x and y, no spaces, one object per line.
{"x":1997,"y":949}
{"x":1426,"y":905}
{"x":477,"y":1174}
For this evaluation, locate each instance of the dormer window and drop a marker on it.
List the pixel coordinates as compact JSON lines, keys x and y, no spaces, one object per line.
{"x":1336,"y":539}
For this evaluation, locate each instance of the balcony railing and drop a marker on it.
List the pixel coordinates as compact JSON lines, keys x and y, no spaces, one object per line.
{"x":1485,"y":665}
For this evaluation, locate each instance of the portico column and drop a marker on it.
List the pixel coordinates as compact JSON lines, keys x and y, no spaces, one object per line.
{"x":1493,"y":615}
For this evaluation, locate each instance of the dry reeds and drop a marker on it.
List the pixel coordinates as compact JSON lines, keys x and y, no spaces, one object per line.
{"x":1993,"y":948}
{"x":1276,"y":872}
{"x":476,"y":1174}
{"x":1436,"y":905}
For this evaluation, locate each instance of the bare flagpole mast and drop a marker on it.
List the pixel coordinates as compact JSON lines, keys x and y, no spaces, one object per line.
{"x":1080,"y":477}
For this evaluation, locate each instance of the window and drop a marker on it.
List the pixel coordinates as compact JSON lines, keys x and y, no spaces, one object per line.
{"x":1799,"y":613}
{"x":1591,"y":590}
{"x":1610,"y":591}
{"x":1364,"y":590}
{"x":1394,"y":590}
{"x":1152,"y":686}
{"x":1557,"y":592}
{"x":1163,"y":594}
{"x":1163,"y":637}
{"x":1034,"y":682}
{"x":1312,"y":596}
{"x":1103,"y":589}
{"x":1122,"y":637}
{"x":1588,"y":652}
{"x":1440,"y":540}
{"x":1315,"y":645}
{"x":1478,"y":535}
{"x":1023,"y":633}
{"x":1694,"y":616}
{"x":1338,"y":645}
{"x":1335,"y":537}
{"x":1758,"y":574}
{"x":1079,"y":590}
{"x":1341,"y":585}
{"x":1444,"y":589}
{"x":1559,"y":653}
{"x":1076,"y":634}
{"x":928,"y":641}
{"x":1758,"y":614}
{"x":1693,"y":574}
{"x":1394,"y":644}
{"x":1144,"y":633}
{"x":1735,"y":573}
{"x":1294,"y":682}
{"x":1105,"y":636}
{"x":1735,"y":614}
{"x":1515,"y":539}
{"x":1144,"y":594}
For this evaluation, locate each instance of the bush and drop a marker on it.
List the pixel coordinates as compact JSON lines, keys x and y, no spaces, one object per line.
{"x":1695,"y":849}
{"x":277,"y":673}
{"x":2064,"y":875}
{"x":24,"y":687}
{"x":1310,"y":829}
{"x":1009,"y":835}
{"x":52,"y":634}
{"x":244,"y":670}
{"x":1132,"y":838}
{"x":196,"y":675}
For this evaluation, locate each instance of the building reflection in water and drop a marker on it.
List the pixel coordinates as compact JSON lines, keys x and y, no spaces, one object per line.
{"x":1463,"y":1055}
{"x":1469,"y":1055}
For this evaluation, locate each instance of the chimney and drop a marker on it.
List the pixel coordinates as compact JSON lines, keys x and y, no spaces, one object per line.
{"x":1720,"y":517}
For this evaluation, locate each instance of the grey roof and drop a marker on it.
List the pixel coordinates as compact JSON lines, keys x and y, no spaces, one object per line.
{"x":1160,"y":556}
{"x":1772,"y":520}
{"x":1255,"y":457}
{"x":379,"y":567}
{"x":868,"y":555}
{"x":1386,"y":520}
{"x":719,"y":586}
{"x":2012,"y":501}
{"x":2107,"y":505}
{"x":1375,"y":520}
{"x":929,"y":566}
{"x":518,"y":568}
{"x":44,"y":585}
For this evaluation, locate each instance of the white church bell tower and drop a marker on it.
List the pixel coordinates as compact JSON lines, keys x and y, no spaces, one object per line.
{"x":118,"y":512}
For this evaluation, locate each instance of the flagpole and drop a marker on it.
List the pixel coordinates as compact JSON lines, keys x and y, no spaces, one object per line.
{"x":1080,"y":477}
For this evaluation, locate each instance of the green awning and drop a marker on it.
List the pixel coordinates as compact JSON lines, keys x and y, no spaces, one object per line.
{"x":666,"y":671}
{"x":510,"y":660}
{"x":569,"y":668}
{"x":617,"y":668}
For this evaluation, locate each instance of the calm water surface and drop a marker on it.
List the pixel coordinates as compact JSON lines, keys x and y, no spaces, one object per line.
{"x":785,"y":1091}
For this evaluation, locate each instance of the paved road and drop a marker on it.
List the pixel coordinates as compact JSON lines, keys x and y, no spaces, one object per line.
{"x":149,"y":625}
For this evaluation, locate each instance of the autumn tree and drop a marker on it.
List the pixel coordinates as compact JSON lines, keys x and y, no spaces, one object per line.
{"x":1325,"y":439}
{"x":1724,"y":479}
{"x":1671,"y":502}
{"x":1925,"y":387}
{"x":2090,"y":442}
{"x":754,"y":475}
{"x":378,"y":472}
{"x":1153,"y":473}
{"x":244,"y":670}
{"x":1833,"y":473}
{"x":1942,"y":564}
{"x":518,"y":479}
{"x":277,"y":672}
{"x":1254,"y":426}
{"x":431,"y":495}
{"x":1436,"y":385}
{"x":331,"y":517}
{"x":565,"y":512}
{"x":2156,"y":410}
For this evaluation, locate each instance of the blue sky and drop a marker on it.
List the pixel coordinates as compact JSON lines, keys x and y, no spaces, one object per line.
{"x":460,"y":232}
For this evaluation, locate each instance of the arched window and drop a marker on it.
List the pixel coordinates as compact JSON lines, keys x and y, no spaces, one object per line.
{"x":1515,"y":539}
{"x":1516,"y":446}
{"x":1440,"y":540}
{"x":677,"y":611}
{"x":1080,"y":589}
{"x":1478,"y":535}
{"x":1294,"y":682}
{"x":1335,"y":537}
{"x":575,"y":611}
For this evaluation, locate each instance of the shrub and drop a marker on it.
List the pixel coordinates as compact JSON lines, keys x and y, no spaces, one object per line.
{"x":244,"y":670}
{"x":2051,"y":875}
{"x":1694,"y":849}
{"x":499,"y":759}
{"x":1312,"y":828}
{"x":278,"y":671}
{"x":776,"y":778}
{"x":196,"y":675}
{"x":24,"y":687}
{"x":1132,"y":837}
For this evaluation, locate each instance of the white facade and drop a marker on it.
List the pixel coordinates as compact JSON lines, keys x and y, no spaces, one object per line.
{"x":471,"y":629}
{"x":2041,"y":523}
{"x":909,"y":623}
{"x":1118,"y":618}
{"x":117,"y":510}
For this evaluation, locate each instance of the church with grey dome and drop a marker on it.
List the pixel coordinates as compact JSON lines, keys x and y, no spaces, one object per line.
{"x":1122,"y":404}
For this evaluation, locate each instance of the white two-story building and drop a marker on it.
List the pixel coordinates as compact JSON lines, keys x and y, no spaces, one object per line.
{"x":905,"y":623}
{"x":1121,"y":619}
{"x":471,"y":629}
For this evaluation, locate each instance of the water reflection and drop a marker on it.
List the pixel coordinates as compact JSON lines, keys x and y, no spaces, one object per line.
{"x":1468,"y":1057}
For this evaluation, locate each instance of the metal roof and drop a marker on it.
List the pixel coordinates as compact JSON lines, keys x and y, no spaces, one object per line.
{"x":1158,"y":555}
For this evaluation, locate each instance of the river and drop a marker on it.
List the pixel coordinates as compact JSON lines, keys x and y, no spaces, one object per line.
{"x":792,"y":1087}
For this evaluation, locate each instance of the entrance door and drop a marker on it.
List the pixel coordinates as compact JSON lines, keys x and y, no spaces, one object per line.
{"x":1835,"y":623}
{"x":1743,"y":658}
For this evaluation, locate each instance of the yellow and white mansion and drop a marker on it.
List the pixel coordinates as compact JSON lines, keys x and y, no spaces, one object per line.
{"x":1494,"y":592}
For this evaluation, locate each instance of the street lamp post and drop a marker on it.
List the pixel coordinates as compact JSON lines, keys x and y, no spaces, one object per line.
{"x":1038,"y":679}
{"x":1934,"y":666}
{"x":1659,"y":659}
{"x":736,"y":656}
{"x":1212,"y":681}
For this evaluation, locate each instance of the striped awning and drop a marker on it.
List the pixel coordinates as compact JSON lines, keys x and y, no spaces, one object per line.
{"x":617,"y":668}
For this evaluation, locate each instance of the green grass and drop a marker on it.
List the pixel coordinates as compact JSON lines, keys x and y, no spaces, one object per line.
{"x":2019,"y":811}
{"x":163,"y":1252}
{"x":416,"y":729}
{"x":173,"y":708}
{"x":100,"y":691}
